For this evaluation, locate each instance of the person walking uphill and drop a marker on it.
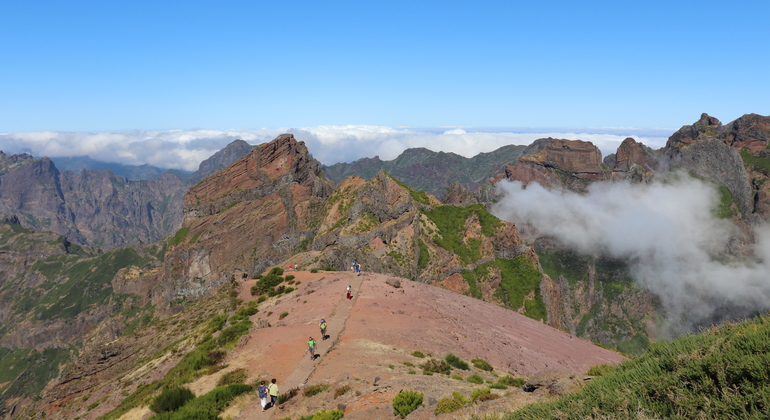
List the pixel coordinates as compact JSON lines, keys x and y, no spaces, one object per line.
{"x":322,"y":326}
{"x":311,"y":348}
{"x":272,"y":390}
{"x":349,"y":295}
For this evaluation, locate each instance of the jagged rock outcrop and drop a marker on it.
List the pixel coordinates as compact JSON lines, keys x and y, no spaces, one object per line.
{"x":221,"y":159}
{"x":250,"y":215}
{"x":560,"y":164}
{"x":701,"y":149}
{"x":457,"y":195}
{"x":633,"y":161}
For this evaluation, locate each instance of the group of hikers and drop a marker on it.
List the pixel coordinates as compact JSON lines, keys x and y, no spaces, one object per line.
{"x":267,"y":391}
{"x":270,"y":391}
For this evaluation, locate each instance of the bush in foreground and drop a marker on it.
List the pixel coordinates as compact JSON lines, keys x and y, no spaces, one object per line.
{"x":406,"y":402}
{"x":171,"y":399}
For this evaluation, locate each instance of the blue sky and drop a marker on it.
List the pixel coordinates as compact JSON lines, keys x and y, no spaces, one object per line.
{"x":113,"y":66}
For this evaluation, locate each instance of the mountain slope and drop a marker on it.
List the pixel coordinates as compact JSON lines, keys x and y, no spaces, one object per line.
{"x":431,"y":171}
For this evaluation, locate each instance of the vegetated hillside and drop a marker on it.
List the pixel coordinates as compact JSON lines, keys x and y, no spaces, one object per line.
{"x":431,"y":171}
{"x":97,"y":207}
{"x":56,"y":299}
{"x":394,"y":334}
{"x":719,"y":373}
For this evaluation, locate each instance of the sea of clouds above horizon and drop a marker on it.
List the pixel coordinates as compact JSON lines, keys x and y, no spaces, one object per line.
{"x":186,"y":149}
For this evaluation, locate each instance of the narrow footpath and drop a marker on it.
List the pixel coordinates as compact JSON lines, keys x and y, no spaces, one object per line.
{"x":299,"y":377}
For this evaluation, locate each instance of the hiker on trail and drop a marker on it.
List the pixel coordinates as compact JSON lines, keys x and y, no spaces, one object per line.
{"x":262,"y":391}
{"x":311,"y":347}
{"x":353,"y":266}
{"x":358,"y":268}
{"x":272,"y":390}
{"x":349,"y":296}
{"x":322,"y":325}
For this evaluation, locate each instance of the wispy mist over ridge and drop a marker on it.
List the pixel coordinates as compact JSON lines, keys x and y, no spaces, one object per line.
{"x":668,"y":233}
{"x":185,"y":149}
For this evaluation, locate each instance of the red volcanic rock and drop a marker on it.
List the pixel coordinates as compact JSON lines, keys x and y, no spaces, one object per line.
{"x":751,"y":131}
{"x":562,"y":164}
{"x":634,"y":160}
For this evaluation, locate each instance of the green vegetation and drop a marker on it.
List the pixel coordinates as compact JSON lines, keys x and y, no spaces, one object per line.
{"x":719,"y":373}
{"x":507,"y":380}
{"x":238,"y":376}
{"x":418,"y":353}
{"x":405,"y":402}
{"x":89,"y":282}
{"x":229,"y":206}
{"x":451,"y":222}
{"x":475,"y":379}
{"x":759,"y":162}
{"x":520,"y":277}
{"x":327,"y":415}
{"x":724,"y":209}
{"x":599,"y":370}
{"x":315,"y":389}
{"x":270,"y":284}
{"x":418,"y":196}
{"x":456,"y":362}
{"x":171,"y":399}
{"x":435,"y":366}
{"x":179,"y":237}
{"x":207,"y":356}
{"x":27,"y":371}
{"x":283,"y":315}
{"x":341,"y":391}
{"x":449,"y":405}
{"x":424,"y":257}
{"x":206,"y":406}
{"x":482,"y":364}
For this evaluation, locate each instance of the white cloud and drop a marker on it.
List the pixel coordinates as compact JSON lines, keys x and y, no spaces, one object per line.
{"x":185,"y":149}
{"x":668,"y":233}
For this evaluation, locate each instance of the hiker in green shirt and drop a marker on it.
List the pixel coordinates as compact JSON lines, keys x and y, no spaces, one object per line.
{"x":311,"y":347}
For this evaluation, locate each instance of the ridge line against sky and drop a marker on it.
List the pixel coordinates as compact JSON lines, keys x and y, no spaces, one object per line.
{"x":185,"y":149}
{"x":87,"y":66}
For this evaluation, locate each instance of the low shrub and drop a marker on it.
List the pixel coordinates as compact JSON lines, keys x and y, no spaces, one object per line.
{"x":283,"y":315}
{"x":328,"y":415}
{"x":171,"y":399}
{"x":476,"y":379}
{"x":238,"y":376}
{"x":456,"y":362}
{"x":437,"y":366}
{"x":498,"y":386}
{"x":289,"y":278}
{"x":405,"y":402}
{"x":315,"y":390}
{"x":276,"y":271}
{"x":482,"y":364}
{"x":341,"y":391}
{"x":476,"y":394}
{"x":509,"y":381}
{"x":410,"y":364}
{"x":418,"y":353}
{"x":261,"y":299}
{"x":458,"y":377}
{"x":412,"y":372}
{"x":447,"y":405}
{"x":313,"y":270}
{"x":286,"y":396}
{"x":328,"y":268}
{"x":288,"y":290}
{"x":599,"y":370}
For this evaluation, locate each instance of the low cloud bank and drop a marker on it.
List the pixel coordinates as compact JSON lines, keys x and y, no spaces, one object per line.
{"x":185,"y":149}
{"x":666,"y":230}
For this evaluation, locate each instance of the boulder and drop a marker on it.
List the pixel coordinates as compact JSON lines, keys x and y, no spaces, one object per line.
{"x":554,"y":381}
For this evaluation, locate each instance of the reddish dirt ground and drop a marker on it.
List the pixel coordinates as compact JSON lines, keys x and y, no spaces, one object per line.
{"x":373,"y":335}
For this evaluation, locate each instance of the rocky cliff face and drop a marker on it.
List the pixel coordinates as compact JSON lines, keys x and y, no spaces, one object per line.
{"x":96,"y":207}
{"x":560,"y":164}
